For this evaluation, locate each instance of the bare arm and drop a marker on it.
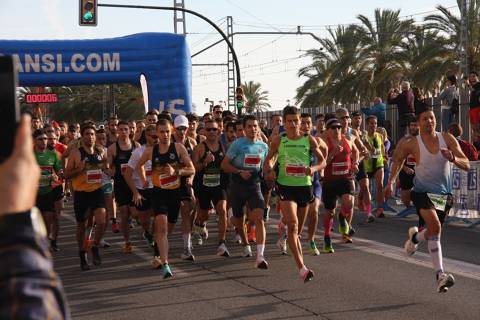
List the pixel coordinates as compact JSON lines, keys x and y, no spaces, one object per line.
{"x":227,"y":166}
{"x":315,"y":147}
{"x":272,"y":152}
{"x":399,"y":156}
{"x":197,"y":154}
{"x":147,"y":155}
{"x":459,"y":158}
{"x":188,"y":169}
{"x":73,"y":165}
{"x":111,"y":153}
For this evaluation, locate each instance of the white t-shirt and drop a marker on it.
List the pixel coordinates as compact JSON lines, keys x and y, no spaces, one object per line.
{"x":132,"y":163}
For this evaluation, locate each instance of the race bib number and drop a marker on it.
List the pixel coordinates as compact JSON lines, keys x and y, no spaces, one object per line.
{"x":94,"y":176}
{"x":410,"y":161}
{"x":438,"y":200}
{"x":340,"y":168}
{"x":45,"y":180}
{"x":252,"y":161}
{"x":211,"y":180}
{"x":123,"y":167}
{"x":169,"y":182}
{"x":295,"y":170}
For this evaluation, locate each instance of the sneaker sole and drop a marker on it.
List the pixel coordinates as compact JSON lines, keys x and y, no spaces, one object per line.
{"x":262,"y":265}
{"x":447,"y":285}
{"x":225,"y":254}
{"x":309,"y":277}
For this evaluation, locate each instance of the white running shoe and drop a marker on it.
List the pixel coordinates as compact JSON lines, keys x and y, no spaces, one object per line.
{"x":222,"y":251}
{"x":444,"y":281}
{"x":282,"y":245}
{"x":409,"y":246}
{"x":238,"y":239}
{"x":247,"y":252}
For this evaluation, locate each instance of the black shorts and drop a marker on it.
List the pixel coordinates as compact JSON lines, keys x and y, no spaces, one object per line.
{"x":422,"y":201}
{"x":166,"y":202}
{"x":207,"y":196}
{"x":241,"y":194}
{"x":83,"y":201}
{"x":332,"y":190}
{"x":372,"y":174}
{"x":302,"y":196}
{"x":57,"y":193}
{"x":361,"y":174}
{"x":147,"y":201}
{"x":265,"y":186}
{"x":45,"y":202}
{"x":406,"y":180}
{"x":186,"y":192}
{"x":122,"y":192}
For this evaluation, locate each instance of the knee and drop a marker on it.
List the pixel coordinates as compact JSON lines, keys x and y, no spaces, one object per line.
{"x":293,"y":227}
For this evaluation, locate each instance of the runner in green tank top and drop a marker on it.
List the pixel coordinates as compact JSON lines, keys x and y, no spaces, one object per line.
{"x":294,"y":179}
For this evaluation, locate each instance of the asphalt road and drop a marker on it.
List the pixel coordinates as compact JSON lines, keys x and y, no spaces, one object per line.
{"x":369,"y":279}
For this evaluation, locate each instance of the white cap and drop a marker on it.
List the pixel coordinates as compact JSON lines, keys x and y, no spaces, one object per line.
{"x":180,"y":121}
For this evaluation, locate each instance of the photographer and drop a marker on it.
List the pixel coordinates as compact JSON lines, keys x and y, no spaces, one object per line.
{"x":29,"y":288}
{"x":405,"y":104}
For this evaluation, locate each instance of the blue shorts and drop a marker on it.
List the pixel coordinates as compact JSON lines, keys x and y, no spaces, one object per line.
{"x":317,"y":189}
{"x":107,"y":188}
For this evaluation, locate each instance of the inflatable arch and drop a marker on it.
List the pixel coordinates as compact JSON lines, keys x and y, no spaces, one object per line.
{"x":159,"y":61}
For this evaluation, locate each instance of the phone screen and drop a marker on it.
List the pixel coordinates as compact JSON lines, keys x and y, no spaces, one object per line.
{"x":9,"y":107}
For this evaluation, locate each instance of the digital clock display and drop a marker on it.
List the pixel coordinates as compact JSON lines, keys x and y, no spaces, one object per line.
{"x":41,"y":98}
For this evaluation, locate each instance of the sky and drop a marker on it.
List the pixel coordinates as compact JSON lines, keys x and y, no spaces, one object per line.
{"x":271,"y":60}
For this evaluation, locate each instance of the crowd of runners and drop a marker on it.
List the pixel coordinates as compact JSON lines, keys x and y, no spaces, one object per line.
{"x":163,"y":169}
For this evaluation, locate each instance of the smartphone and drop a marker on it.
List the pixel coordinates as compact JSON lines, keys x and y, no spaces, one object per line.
{"x":9,"y":106}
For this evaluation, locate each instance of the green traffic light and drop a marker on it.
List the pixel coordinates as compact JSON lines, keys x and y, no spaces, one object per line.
{"x":88,"y":16}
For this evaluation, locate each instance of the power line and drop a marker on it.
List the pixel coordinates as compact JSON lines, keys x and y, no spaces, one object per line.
{"x":252,"y":15}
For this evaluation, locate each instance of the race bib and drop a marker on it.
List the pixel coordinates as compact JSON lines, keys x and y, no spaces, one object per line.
{"x":211,"y":180}
{"x":45,"y":180}
{"x":340,"y":168}
{"x":438,"y":200}
{"x":295,"y":170}
{"x":410,"y":161}
{"x":123,"y":167}
{"x":148,"y":173}
{"x":169,"y":182}
{"x":252,"y":161}
{"x":94,"y":176}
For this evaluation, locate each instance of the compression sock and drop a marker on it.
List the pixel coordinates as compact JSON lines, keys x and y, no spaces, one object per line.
{"x":187,"y":244}
{"x":327,"y":224}
{"x":260,"y":249}
{"x":435,"y":249}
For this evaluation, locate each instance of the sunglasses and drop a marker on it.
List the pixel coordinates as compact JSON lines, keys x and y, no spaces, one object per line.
{"x":211,"y":129}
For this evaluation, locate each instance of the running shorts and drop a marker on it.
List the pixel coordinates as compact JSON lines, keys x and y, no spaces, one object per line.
{"x":147,"y":200}
{"x":166,"y":202}
{"x":83,"y":201}
{"x":406,"y":180}
{"x":421,"y":200}
{"x":207,"y":196}
{"x":241,"y":194}
{"x":301,"y":195}
{"x":107,"y":188}
{"x":123,"y":194}
{"x":45,"y":202}
{"x":361,"y":174}
{"x":57,"y":193}
{"x":332,"y":190}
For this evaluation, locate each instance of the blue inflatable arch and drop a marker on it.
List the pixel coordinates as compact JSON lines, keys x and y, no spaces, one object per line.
{"x":162,"y":58}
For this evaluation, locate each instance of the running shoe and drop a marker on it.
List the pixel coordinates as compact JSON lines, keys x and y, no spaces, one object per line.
{"x":84,"y":261}
{"x":262,"y":264}
{"x":343,"y":227}
{"x":308,"y":275}
{"x":247,"y":251}
{"x":380,"y":213}
{"x":327,"y":245}
{"x":187,"y":255}
{"x":409,"y":246}
{"x":444,"y":281}
{"x":148,"y":238}
{"x":53,"y":246}
{"x":96,"y":256}
{"x":347,"y":239}
{"x":282,"y":245}
{"x":127,"y":248}
{"x":166,"y":271}
{"x":105,"y":244}
{"x":115,"y":227}
{"x":352,"y":231}
{"x":222,"y":251}
{"x":313,"y":248}
{"x":204,"y":232}
{"x":370,"y":218}
{"x":131,"y":223}
{"x":266,"y":214}
{"x":197,"y":238}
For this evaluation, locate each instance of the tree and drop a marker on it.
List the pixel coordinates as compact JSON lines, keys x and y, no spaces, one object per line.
{"x":257,"y":99}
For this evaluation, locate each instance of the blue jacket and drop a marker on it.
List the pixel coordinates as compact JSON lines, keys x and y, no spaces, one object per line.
{"x":377,"y":110}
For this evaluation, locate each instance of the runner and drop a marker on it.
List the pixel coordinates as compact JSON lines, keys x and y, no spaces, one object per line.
{"x":112,"y":134}
{"x":244,"y":160}
{"x":294,"y":179}
{"x":118,"y":155}
{"x":50,"y":169}
{"x":170,"y":162}
{"x":432,"y":189}
{"x":187,"y":197}
{"x":342,"y":163}
{"x":230,"y":134}
{"x":407,"y":174}
{"x":211,"y":183}
{"x":85,"y":166}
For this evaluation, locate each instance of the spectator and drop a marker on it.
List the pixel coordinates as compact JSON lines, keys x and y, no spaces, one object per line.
{"x":447,"y":96}
{"x":263,"y":127}
{"x":217,"y":111}
{"x":29,"y":288}
{"x":377,"y":110}
{"x":405,"y":105}
{"x":474,"y":112}
{"x":468,"y":149}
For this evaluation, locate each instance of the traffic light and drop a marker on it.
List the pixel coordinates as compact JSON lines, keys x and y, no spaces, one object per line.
{"x":240,"y":99}
{"x":88,"y":13}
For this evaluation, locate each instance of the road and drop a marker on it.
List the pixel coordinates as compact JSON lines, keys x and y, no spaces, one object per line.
{"x":369,"y":279}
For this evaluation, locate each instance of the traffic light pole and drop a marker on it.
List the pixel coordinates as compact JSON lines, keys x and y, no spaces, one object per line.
{"x":234,"y":55}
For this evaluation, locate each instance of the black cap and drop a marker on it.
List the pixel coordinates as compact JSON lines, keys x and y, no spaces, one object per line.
{"x":333,"y":123}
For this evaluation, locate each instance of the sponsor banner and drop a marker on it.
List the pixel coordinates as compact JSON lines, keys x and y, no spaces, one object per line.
{"x":466,"y":192}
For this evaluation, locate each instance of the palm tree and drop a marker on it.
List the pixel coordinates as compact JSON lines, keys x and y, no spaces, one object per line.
{"x":256,"y":98}
{"x":449,"y":23}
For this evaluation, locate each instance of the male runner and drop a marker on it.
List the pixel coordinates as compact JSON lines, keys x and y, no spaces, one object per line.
{"x":434,"y":153}
{"x":118,"y":155}
{"x":170,"y":162}
{"x":407,"y":174}
{"x":112,"y":133}
{"x":84,"y":167}
{"x":211,"y":182}
{"x":342,"y":163}
{"x":244,"y":160}
{"x":294,"y":179}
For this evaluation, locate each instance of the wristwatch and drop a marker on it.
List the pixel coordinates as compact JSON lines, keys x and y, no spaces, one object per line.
{"x":11,"y":223}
